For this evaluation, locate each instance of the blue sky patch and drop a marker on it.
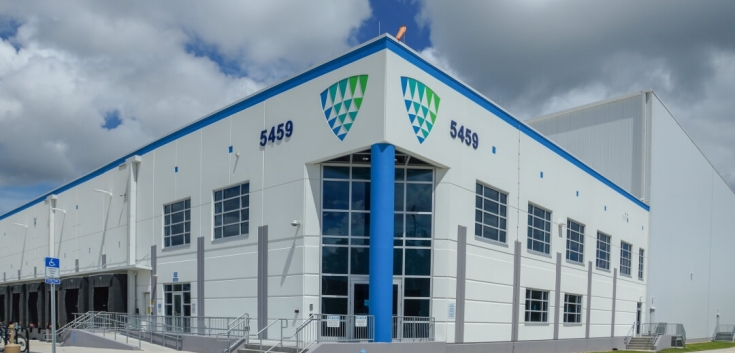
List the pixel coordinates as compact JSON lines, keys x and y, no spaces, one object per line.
{"x":393,"y":14}
{"x":201,"y":49}
{"x":112,"y":120}
{"x":12,"y":196}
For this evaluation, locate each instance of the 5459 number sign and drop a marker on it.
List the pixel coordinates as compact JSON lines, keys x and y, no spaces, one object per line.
{"x":465,"y":135}
{"x":278,"y":132}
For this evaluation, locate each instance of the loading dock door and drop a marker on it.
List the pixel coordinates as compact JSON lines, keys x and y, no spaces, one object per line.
{"x":32,"y":302}
{"x":101,"y":296}
{"x":15,"y":309}
{"x":71,"y":303}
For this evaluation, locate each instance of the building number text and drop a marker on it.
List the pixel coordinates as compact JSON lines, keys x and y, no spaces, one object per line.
{"x":276,"y":133}
{"x":465,"y":135}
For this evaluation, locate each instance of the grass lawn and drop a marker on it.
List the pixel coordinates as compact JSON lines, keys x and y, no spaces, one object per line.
{"x":693,"y":347}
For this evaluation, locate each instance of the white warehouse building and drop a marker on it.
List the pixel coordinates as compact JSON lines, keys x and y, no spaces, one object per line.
{"x":380,"y":199}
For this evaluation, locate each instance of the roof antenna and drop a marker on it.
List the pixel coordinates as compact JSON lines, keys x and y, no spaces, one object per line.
{"x":401,"y":32}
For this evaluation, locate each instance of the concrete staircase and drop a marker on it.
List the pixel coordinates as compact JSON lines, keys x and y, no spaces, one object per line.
{"x":724,"y":336}
{"x":644,"y":343}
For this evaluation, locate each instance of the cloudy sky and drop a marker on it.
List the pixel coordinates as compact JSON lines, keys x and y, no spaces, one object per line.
{"x":84,"y":82}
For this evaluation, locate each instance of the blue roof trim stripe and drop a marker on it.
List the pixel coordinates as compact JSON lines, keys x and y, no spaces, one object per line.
{"x":430,"y":69}
{"x":357,"y":54}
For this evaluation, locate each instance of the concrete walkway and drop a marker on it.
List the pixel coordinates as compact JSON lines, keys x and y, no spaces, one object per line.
{"x":45,"y":347}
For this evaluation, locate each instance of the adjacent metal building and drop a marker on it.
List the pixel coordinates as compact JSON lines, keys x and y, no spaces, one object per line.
{"x":636,"y":142}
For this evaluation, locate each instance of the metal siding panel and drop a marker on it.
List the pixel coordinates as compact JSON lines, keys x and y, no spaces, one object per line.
{"x":607,"y":137}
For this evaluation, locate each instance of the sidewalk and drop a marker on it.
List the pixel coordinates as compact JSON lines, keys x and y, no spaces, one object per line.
{"x":45,"y":347}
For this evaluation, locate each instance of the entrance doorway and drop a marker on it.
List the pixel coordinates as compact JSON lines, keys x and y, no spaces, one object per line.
{"x":638,"y":318}
{"x":178,"y":307}
{"x":71,"y":303}
{"x":101,"y":295}
{"x":359,"y":303}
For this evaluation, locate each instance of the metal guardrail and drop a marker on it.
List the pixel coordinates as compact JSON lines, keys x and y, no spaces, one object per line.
{"x":237,"y":332}
{"x":631,"y":334}
{"x":676,"y":331}
{"x":413,"y":328}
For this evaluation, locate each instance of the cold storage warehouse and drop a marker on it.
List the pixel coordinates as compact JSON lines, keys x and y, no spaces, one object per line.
{"x":375,"y":195}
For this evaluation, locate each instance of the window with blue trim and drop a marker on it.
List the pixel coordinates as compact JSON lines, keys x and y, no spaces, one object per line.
{"x":575,"y":241}
{"x":539,"y":229}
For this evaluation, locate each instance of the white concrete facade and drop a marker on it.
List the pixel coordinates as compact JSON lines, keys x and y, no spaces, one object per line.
{"x":286,"y":184}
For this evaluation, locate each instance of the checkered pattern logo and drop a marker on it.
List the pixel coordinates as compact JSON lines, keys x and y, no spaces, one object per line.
{"x":341,"y":102}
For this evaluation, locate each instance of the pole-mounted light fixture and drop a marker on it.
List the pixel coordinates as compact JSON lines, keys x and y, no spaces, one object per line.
{"x":103,"y":191}
{"x":58,"y":209}
{"x":20,"y":225}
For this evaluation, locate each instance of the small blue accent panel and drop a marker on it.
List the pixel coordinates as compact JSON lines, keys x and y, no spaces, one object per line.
{"x":176,"y":169}
{"x":605,"y":208}
{"x":542,"y":175}
{"x":493,"y":149}
{"x":577,"y":193}
{"x":230,"y":149}
{"x":382,"y":190}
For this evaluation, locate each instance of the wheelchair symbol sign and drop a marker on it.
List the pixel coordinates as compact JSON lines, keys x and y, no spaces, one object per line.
{"x":52,"y":262}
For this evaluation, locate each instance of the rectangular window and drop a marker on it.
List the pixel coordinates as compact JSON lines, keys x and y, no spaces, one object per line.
{"x":177,"y":223}
{"x":537,"y":305}
{"x":575,"y":241}
{"x":603,"y":251}
{"x":490,"y":213}
{"x":232,"y":211}
{"x":539,"y":229}
{"x":572,"y":308}
{"x":640,"y":263}
{"x":626,"y":251}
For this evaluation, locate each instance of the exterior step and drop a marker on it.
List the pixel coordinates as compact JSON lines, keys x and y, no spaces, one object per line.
{"x":641,"y":343}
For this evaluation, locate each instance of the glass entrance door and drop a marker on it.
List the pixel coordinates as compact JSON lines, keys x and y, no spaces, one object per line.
{"x":360,"y":305}
{"x":178,"y":307}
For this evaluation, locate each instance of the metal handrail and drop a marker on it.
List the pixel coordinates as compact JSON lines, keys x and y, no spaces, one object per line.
{"x":630,"y":334}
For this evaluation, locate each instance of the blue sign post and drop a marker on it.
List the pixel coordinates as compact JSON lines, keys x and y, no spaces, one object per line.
{"x":53,"y":278}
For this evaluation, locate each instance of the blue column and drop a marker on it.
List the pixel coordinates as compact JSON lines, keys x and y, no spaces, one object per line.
{"x":382,"y":189}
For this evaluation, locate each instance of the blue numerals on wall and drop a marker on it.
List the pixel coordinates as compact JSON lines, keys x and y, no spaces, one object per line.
{"x":464,"y":135}
{"x":277,"y":132}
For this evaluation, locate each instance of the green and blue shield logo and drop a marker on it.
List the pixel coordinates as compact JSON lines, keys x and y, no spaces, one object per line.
{"x":341,"y":102}
{"x":422,"y":106}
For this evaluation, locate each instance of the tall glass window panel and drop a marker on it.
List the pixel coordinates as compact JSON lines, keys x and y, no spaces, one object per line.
{"x":490,"y":213}
{"x":626,"y":251}
{"x":232,"y":211}
{"x":575,"y":242}
{"x":177,"y":223}
{"x":537,"y":305}
{"x":603,"y":251}
{"x":572,"y":308}
{"x":641,"y":256}
{"x":539,"y":229}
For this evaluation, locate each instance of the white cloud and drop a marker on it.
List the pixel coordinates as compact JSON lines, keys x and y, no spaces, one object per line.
{"x":79,"y":60}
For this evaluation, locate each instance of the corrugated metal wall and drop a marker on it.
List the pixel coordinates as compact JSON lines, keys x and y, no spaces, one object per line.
{"x":610,"y":137}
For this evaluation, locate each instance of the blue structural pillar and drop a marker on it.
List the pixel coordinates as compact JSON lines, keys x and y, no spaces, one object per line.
{"x":382,"y":189}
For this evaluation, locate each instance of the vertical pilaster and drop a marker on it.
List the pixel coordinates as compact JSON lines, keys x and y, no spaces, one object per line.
{"x":516,"y":291}
{"x":557,"y":296}
{"x":382,"y":190}
{"x":589,"y":300}
{"x":461,"y":284}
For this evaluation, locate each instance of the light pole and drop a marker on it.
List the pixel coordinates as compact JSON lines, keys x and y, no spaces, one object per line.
{"x":53,"y":297}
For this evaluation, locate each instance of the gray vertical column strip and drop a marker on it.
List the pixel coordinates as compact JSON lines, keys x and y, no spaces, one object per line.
{"x":615,"y":285}
{"x":461,"y":283}
{"x":589,"y":300}
{"x":557,"y":296}
{"x":263,"y":279}
{"x":516,"y":291}
{"x":154,"y":282}
{"x":200,"y":282}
